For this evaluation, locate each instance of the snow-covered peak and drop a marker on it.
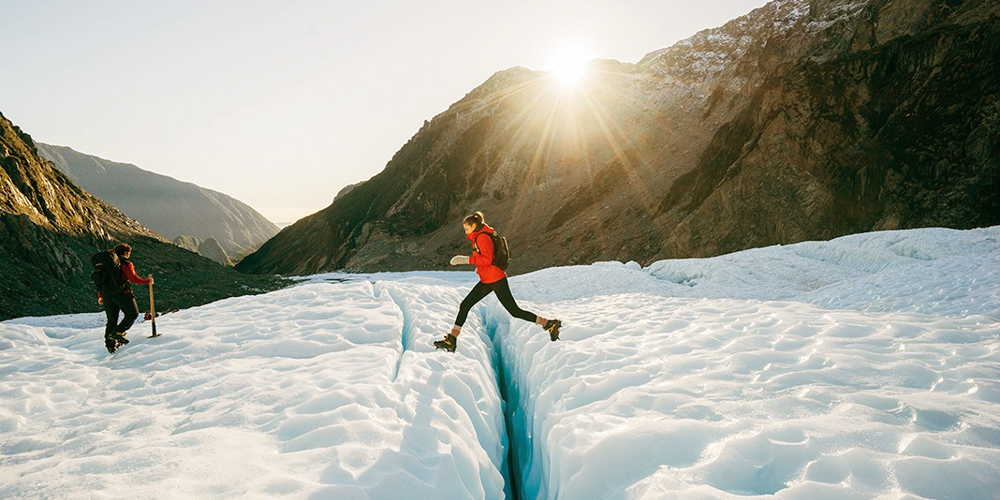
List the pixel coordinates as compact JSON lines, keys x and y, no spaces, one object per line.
{"x":713,"y":51}
{"x":710,"y":51}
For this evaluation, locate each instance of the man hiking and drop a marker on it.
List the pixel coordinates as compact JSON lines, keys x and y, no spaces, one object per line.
{"x":492,"y":279}
{"x":122,"y":301}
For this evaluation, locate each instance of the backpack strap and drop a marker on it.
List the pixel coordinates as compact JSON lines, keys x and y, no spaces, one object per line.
{"x":475,"y":243}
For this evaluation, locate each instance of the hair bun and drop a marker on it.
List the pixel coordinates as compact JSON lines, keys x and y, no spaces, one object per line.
{"x":477,"y":219}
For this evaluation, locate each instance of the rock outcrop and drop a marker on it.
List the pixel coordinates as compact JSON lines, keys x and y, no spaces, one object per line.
{"x":164,"y":204}
{"x":213,"y":250}
{"x":346,"y":189}
{"x":805,"y":119}
{"x":209,"y":248}
{"x":188,"y":242}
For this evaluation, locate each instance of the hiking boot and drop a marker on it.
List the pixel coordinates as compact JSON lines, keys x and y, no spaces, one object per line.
{"x":552,"y":326}
{"x":449,"y":343}
{"x":113,"y":341}
{"x":111,"y":344}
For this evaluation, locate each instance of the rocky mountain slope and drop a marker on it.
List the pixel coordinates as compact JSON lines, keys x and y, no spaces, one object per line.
{"x":801,"y":120}
{"x":49,"y":228}
{"x":166,"y":205}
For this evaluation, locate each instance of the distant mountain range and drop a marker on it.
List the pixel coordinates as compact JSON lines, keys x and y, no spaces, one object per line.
{"x":169,"y":207}
{"x":49,"y":228}
{"x":803,"y":120}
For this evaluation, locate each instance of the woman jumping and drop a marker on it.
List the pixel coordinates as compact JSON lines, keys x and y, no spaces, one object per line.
{"x":491,"y":279}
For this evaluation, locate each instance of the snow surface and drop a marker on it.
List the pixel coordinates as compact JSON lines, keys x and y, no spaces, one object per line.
{"x":864,"y":367}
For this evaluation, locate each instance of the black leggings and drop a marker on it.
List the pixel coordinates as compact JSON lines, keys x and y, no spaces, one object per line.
{"x":502,"y":289}
{"x":125,"y":303}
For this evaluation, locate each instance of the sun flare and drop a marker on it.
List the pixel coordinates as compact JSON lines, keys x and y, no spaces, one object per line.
{"x":569,"y":65}
{"x":570,"y":73}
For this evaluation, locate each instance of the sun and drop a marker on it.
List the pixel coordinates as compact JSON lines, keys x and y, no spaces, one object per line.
{"x":569,"y":65}
{"x":570,"y":73}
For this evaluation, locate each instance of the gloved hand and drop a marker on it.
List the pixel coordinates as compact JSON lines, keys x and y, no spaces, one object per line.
{"x":459,"y":260}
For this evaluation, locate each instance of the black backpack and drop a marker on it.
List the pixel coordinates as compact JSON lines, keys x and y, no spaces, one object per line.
{"x":501,"y":252}
{"x":107,"y":275}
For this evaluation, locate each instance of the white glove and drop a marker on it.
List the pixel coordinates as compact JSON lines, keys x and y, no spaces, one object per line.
{"x":459,"y":260}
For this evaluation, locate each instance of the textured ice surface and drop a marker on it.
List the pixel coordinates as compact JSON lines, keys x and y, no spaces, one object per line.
{"x":864,"y":367}
{"x":309,"y":392}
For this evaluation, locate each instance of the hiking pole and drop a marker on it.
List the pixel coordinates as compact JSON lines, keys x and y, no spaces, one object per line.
{"x":152,"y":309}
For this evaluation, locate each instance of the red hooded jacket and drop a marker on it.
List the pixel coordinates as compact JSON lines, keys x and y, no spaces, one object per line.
{"x":482,"y":256}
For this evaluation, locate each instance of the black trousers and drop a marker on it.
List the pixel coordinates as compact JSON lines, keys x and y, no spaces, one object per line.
{"x":502,"y":289}
{"x":120,"y":303}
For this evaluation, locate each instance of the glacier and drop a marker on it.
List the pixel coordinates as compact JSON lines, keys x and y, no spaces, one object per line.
{"x":862,"y":367}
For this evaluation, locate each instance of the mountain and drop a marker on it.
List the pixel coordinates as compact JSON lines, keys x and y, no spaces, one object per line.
{"x":803,"y":120}
{"x":166,"y":205}
{"x":49,"y":228}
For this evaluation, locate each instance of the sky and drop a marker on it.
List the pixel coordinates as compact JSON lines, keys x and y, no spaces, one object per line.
{"x":282,"y":104}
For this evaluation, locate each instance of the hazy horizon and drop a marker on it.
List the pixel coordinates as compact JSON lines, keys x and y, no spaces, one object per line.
{"x":281,"y":106}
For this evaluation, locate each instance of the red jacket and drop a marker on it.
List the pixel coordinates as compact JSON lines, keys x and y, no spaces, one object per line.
{"x":128,"y":270}
{"x":482,"y":256}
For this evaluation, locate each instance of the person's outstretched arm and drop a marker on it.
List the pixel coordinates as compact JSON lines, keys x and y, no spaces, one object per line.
{"x":132,"y":277}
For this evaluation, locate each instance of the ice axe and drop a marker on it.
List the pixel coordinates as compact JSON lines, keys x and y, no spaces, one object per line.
{"x":152,"y":309}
